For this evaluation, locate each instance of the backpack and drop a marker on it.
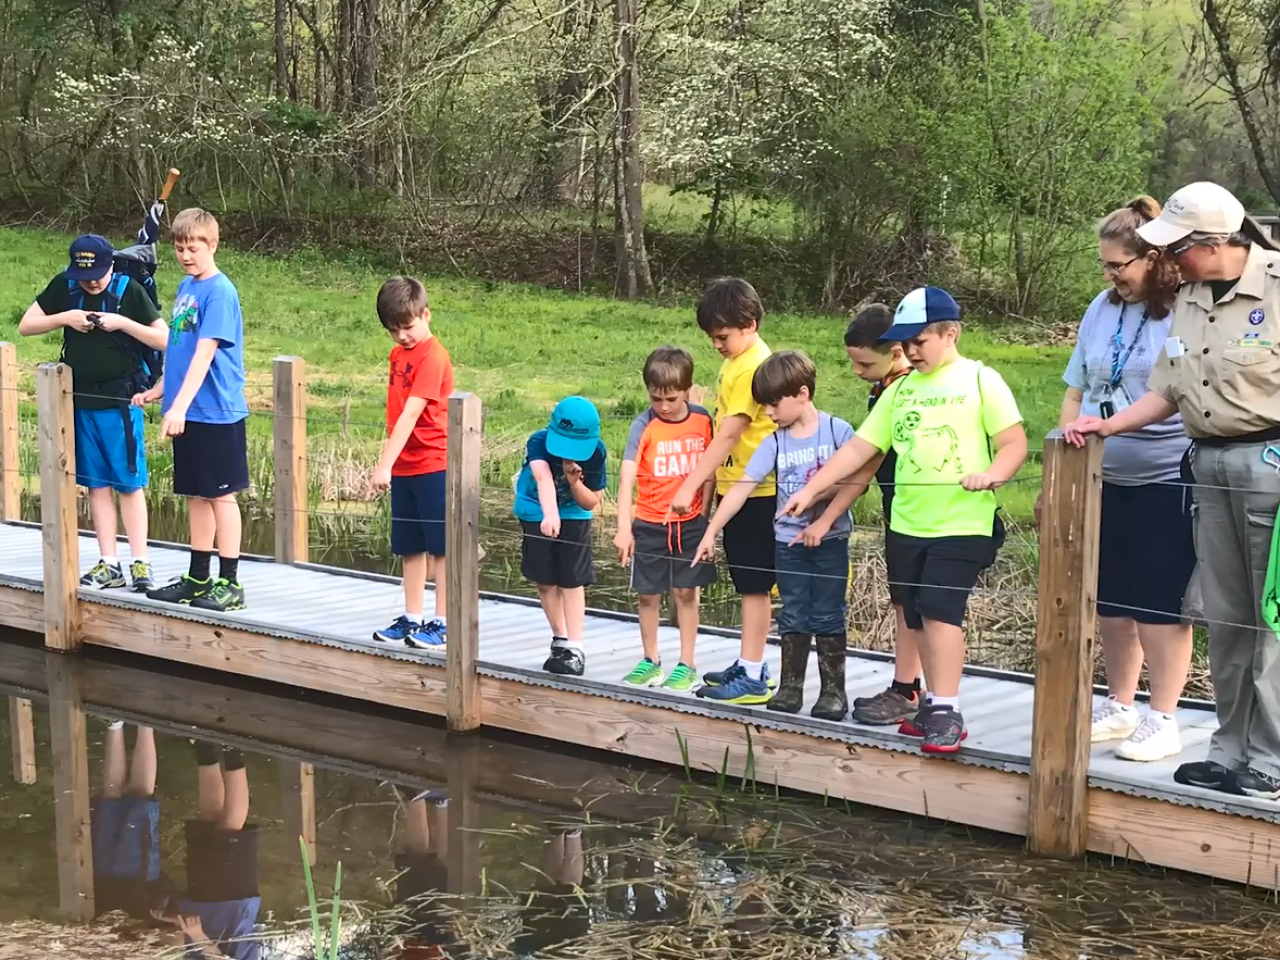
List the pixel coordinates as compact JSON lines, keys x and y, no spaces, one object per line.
{"x":150,"y":361}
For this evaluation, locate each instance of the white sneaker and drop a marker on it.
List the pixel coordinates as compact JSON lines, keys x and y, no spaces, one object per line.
{"x":1112,"y":720}
{"x":1156,"y":738}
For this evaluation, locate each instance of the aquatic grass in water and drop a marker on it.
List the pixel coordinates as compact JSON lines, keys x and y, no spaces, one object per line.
{"x":323,"y":951}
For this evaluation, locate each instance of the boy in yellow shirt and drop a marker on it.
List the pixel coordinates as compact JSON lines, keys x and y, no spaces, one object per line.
{"x":730,"y":313}
{"x":957,"y":432}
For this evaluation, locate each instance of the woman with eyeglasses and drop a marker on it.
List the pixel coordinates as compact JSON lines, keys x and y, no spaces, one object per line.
{"x":1220,"y":369}
{"x":1146,"y":554}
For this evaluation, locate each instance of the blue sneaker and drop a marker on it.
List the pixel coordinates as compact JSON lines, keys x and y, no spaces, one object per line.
{"x":716,"y":677}
{"x":399,"y":631}
{"x":430,"y":636}
{"x":737,"y":687}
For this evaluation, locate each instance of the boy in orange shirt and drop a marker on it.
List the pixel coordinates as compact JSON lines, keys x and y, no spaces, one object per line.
{"x":663,"y":447}
{"x":413,"y":459}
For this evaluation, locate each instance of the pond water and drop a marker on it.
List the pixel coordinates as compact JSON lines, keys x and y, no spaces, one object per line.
{"x":477,"y":847}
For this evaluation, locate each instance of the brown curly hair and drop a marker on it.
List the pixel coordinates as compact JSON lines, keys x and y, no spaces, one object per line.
{"x":1163,"y":279}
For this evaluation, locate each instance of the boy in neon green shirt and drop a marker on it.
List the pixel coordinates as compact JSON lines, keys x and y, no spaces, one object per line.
{"x":957,"y":433}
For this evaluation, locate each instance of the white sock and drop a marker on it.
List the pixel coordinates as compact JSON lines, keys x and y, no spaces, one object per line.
{"x":415,"y":617}
{"x":1162,"y":717}
{"x":558,"y":641}
{"x":110,"y":561}
{"x":576,"y":644}
{"x":753,"y":667}
{"x":952,"y":702}
{"x":438,"y":618}
{"x":116,"y":725}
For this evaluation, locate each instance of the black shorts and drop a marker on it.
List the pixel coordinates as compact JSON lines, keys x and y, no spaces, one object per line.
{"x":564,"y":561}
{"x":417,"y":515}
{"x":1146,"y":553}
{"x":210,"y":460}
{"x":421,"y":890}
{"x":221,"y":864}
{"x":664,"y":555}
{"x":932,"y":577}
{"x":749,"y":546}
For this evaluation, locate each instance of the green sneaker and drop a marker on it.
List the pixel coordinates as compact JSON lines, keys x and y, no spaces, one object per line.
{"x":646,"y":674}
{"x":103,"y":576}
{"x":223,"y":597}
{"x":682,"y":679}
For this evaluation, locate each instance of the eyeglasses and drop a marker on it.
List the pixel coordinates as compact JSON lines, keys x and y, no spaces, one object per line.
{"x":1114,"y":268}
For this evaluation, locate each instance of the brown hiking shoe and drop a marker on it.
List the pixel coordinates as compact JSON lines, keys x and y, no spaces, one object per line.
{"x":885,"y":709}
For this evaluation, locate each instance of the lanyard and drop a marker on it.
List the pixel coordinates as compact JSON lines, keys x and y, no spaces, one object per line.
{"x":1118,"y":362}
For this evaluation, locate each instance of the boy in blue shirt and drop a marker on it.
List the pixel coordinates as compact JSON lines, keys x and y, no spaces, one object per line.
{"x":205,"y":412}
{"x":556,"y":490}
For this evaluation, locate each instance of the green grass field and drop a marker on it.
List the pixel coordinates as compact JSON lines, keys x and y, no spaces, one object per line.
{"x":520,"y":348}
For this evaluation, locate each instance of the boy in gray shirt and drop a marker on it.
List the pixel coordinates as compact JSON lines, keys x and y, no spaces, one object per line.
{"x":811,"y":551}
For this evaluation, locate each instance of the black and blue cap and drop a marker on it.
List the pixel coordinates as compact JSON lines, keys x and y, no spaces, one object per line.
{"x":90,"y":257}
{"x":919,"y":308}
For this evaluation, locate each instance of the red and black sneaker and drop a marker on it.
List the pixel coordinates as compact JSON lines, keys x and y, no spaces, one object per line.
{"x":943,"y":730}
{"x":913,"y":726}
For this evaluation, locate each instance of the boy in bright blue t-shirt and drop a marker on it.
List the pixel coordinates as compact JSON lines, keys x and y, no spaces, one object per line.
{"x":205,"y":412}
{"x":556,"y":490}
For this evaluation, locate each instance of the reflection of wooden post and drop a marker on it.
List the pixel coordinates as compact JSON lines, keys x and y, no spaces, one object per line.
{"x":462,"y":758}
{"x":1058,"y":799}
{"x":69,"y":740}
{"x":22,"y":729}
{"x":298,"y":791}
{"x":290,"y":459}
{"x":58,"y":507}
{"x":10,"y":468}
{"x":462,"y":566}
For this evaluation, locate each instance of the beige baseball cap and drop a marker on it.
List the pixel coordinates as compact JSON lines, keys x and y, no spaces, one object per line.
{"x":1201,"y":207}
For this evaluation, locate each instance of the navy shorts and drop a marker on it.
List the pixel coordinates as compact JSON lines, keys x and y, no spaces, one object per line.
{"x":210,"y":460}
{"x":813,"y":584}
{"x":1146,"y":553}
{"x":932,"y":577}
{"x":417,"y":514}
{"x":126,"y":836}
{"x":748,"y":546}
{"x":102,"y":449}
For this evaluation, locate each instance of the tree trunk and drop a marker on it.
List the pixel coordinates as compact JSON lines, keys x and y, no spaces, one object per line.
{"x":282,"y":48}
{"x":633,"y":276}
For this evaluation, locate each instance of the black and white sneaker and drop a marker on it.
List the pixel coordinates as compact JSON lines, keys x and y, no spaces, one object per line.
{"x":1255,"y":783}
{"x":1207,"y":775}
{"x":566,"y":661}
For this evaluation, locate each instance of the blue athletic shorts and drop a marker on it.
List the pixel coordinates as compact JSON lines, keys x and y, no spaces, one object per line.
{"x":417,"y":515}
{"x":102,"y":457}
{"x":126,"y":837}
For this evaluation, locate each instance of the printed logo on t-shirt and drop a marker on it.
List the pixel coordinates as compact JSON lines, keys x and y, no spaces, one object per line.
{"x":934,"y":449}
{"x":402,"y":373}
{"x":677,"y":458}
{"x":184,"y":317}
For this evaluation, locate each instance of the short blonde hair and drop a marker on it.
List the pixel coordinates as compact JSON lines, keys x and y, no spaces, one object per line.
{"x":194,"y":224}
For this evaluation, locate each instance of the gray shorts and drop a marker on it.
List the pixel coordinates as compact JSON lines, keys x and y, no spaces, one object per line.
{"x":663,"y":554}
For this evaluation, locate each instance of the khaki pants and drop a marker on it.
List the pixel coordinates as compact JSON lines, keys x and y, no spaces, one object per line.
{"x":1237,"y":499}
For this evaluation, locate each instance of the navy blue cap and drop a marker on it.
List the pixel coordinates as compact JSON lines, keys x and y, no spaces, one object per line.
{"x":919,"y":308}
{"x":90,"y":257}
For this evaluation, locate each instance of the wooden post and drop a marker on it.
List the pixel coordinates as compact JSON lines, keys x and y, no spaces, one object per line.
{"x":22,"y":731}
{"x":10,"y":468}
{"x":1058,"y":812}
{"x":462,"y":860}
{"x":298,"y":791}
{"x":462,"y":566}
{"x":290,"y":391}
{"x":69,"y":739}
{"x":58,"y":507}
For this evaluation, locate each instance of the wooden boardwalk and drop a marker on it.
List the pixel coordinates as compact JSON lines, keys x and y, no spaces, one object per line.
{"x":310,"y":627}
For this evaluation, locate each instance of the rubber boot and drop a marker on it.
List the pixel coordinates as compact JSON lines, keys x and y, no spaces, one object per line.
{"x":833,"y":702}
{"x":789,"y":697}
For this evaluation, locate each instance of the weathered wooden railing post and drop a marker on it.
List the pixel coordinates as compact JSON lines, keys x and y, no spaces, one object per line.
{"x":1058,"y":801}
{"x":10,"y":468}
{"x":22,"y":731}
{"x":298,"y":793}
{"x":68,"y":736}
{"x":58,"y":507}
{"x":462,"y":563}
{"x":290,"y":396}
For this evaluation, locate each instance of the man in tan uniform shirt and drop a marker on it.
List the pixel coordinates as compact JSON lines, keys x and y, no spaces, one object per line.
{"x":1220,"y":369}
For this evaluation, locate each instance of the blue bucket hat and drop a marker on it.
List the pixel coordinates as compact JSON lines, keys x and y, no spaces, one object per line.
{"x":919,"y":308}
{"x":90,"y":257}
{"x":574,"y":430}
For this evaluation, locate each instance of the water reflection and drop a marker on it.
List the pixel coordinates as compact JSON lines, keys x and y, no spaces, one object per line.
{"x":171,"y":808}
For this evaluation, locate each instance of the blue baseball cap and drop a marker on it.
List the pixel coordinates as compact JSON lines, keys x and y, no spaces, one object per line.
{"x":90,"y":257}
{"x":919,"y":308}
{"x":574,"y":430}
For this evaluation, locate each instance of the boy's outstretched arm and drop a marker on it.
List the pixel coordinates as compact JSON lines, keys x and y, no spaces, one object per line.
{"x":623,"y":539}
{"x":541,"y":471}
{"x":845,"y":494}
{"x":717,"y":452}
{"x":729,"y":506}
{"x":849,"y":459}
{"x":175,"y":421}
{"x":400,"y":434}
{"x":1011,"y":451}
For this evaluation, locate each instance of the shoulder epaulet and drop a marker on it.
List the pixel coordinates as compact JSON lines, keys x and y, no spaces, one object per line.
{"x":1273,"y":265}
